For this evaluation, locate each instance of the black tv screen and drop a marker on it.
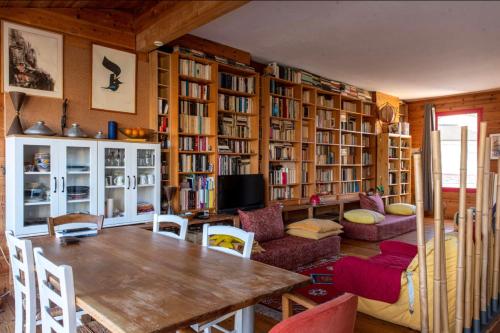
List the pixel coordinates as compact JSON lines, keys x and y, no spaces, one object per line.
{"x":243,"y":192}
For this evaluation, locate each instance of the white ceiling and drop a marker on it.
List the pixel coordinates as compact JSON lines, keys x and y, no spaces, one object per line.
{"x":407,"y":49}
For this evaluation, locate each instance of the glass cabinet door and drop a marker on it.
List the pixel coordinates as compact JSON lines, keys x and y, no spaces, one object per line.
{"x":116,"y":183}
{"x":78,"y":177}
{"x":40,"y":186}
{"x":144,"y":181}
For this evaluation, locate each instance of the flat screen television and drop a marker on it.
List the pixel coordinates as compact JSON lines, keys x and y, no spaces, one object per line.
{"x":243,"y":192}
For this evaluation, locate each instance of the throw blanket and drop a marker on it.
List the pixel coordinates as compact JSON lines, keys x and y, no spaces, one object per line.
{"x":379,"y":277}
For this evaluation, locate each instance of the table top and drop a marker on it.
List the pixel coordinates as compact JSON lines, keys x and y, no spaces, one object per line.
{"x":132,"y":280}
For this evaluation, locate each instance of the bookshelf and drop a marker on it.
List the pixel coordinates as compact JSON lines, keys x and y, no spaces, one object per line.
{"x":394,"y":166}
{"x":160,"y":116}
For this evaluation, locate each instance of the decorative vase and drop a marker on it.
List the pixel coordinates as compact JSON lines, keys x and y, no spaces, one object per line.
{"x":168,"y":193}
{"x":17,"y":98}
{"x":387,"y":113}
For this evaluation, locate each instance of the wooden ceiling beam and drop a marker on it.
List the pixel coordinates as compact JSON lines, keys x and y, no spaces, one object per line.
{"x":178,"y":19}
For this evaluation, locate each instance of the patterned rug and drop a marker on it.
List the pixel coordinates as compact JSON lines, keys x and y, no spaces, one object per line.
{"x":320,"y":291}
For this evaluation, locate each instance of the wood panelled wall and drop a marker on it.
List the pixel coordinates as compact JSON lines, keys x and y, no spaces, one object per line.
{"x":489,"y":102}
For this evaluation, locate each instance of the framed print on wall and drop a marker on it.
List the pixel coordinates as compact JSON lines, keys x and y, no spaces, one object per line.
{"x":495,"y":146}
{"x":113,"y":79}
{"x":33,"y":61}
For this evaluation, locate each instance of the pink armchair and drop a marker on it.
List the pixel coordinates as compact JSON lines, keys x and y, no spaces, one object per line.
{"x":335,"y":316}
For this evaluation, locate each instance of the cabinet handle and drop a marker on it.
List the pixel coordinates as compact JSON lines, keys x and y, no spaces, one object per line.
{"x":128,"y":178}
{"x":135,"y":182}
{"x":55,"y":184}
{"x":63,"y":182}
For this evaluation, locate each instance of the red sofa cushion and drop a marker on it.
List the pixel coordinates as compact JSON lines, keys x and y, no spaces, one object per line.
{"x":265,"y":223}
{"x":291,"y":252}
{"x":391,"y":226}
{"x":372,"y":202}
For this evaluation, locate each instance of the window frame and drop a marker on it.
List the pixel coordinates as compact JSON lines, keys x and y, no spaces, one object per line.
{"x":479,"y":112}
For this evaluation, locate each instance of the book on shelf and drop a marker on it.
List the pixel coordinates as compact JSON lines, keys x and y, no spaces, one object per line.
{"x":194,"y":143}
{"x":325,"y":119}
{"x":194,"y":163}
{"x":233,"y":146}
{"x":305,"y":131}
{"x":280,"y":89}
{"x":200,"y":54}
{"x":163,"y":124}
{"x":364,"y":95}
{"x":234,"y":126}
{"x":349,"y":173}
{"x":393,"y":179}
{"x":366,"y":158}
{"x":237,"y":83}
{"x":402,"y":128}
{"x":329,"y":85}
{"x":348,"y":90}
{"x":365,"y":141}
{"x":193,"y":118}
{"x":164,"y":141}
{"x":366,"y":127}
{"x":280,"y":175}
{"x":349,"y":106}
{"x":305,"y":151}
{"x":310,"y":78}
{"x":326,"y":189}
{"x":348,"y":155}
{"x":306,"y":96}
{"x":305,"y":173}
{"x":325,"y":101}
{"x":347,"y":123}
{"x":367,"y":109}
{"x":324,"y":175}
{"x":164,"y":170}
{"x":233,"y":165}
{"x":325,"y":155}
{"x":350,"y":187}
{"x":282,"y":130}
{"x":197,"y":192}
{"x":281,"y":193}
{"x":367,"y":171}
{"x":285,"y":72}
{"x":194,"y":90}
{"x":188,"y":67}
{"x":304,"y":191}
{"x":349,"y":139}
{"x":284,"y":108}
{"x":306,"y":111}
{"x":325,"y":137}
{"x":281,"y":151}
{"x":162,"y":106}
{"x":235,"y":103}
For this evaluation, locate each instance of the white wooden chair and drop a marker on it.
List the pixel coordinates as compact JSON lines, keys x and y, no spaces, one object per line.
{"x":23,"y":274}
{"x":247,"y":238}
{"x":62,"y":296}
{"x":181,"y":222}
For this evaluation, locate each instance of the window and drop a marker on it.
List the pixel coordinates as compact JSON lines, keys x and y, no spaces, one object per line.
{"x":449,"y":124}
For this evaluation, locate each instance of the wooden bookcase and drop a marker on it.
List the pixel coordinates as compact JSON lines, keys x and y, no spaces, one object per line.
{"x":394,"y":166}
{"x":160,"y":115}
{"x":196,"y":137}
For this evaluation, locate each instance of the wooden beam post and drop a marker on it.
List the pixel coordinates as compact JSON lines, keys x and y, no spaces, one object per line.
{"x":484,"y":232}
{"x":181,"y":18}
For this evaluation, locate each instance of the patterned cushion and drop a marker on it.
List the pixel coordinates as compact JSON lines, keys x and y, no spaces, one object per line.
{"x":392,"y":226}
{"x":372,"y":202}
{"x":265,"y":223}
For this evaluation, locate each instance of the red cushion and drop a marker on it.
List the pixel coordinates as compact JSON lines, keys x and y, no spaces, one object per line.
{"x":335,"y":316}
{"x":372,"y":202}
{"x":265,"y":223}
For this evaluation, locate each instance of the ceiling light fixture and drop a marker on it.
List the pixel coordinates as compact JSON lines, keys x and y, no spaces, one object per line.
{"x":158,"y":43}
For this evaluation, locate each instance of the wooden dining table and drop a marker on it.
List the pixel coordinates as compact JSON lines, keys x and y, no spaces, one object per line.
{"x":132,"y":280}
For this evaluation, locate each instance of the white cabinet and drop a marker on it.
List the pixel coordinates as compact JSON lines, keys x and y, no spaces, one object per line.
{"x":50,"y":176}
{"x":129,"y":182}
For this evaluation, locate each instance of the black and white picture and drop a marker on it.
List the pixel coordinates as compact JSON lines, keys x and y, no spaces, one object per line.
{"x":113,"y":79}
{"x":34,"y":61}
{"x":495,"y":146}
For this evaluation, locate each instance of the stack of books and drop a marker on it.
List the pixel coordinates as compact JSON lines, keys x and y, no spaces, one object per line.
{"x":364,"y":95}
{"x":283,"y":130}
{"x":285,"y":72}
{"x":348,"y":90}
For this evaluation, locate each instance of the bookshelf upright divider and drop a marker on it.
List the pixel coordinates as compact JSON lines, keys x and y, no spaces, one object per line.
{"x":308,"y":139}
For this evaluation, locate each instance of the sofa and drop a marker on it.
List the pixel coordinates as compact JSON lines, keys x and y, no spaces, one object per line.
{"x":280,"y":249}
{"x":391,"y":226}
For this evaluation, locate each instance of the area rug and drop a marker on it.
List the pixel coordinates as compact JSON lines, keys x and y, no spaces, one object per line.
{"x":320,"y":291}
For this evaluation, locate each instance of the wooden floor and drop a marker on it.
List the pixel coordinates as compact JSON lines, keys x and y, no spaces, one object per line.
{"x":364,"y":323}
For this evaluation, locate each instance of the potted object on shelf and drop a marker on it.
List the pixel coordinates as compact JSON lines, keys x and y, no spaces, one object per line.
{"x":76,"y":132}
{"x":39,"y":128}
{"x":17,"y":98}
{"x":380,"y":190}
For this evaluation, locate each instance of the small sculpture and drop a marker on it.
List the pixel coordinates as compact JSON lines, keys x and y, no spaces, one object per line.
{"x":17,"y":98}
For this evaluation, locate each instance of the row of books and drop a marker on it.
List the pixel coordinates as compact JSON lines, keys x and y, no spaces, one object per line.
{"x":164,"y":170}
{"x":366,"y":172}
{"x":325,"y":119}
{"x":197,"y":192}
{"x":200,"y":54}
{"x":348,"y":155}
{"x":365,"y":141}
{"x":284,"y":108}
{"x":306,"y":111}
{"x":233,"y":146}
{"x":400,"y":128}
{"x":325,"y":137}
{"x":163,"y":124}
{"x":304,"y":192}
{"x":164,"y":141}
{"x":235,"y":103}
{"x":367,"y":109}
{"x":305,"y":131}
{"x":237,"y":83}
{"x":349,"y":139}
{"x":281,"y":151}
{"x":348,"y":173}
{"x":233,"y":165}
{"x":347,"y":123}
{"x":162,"y":106}
{"x":325,"y":101}
{"x":350,"y":187}
{"x":325,"y":189}
{"x":195,"y":69}
{"x":404,"y":188}
{"x":404,"y":177}
{"x":349,"y":90}
{"x":281,"y":193}
{"x":324,"y":175}
{"x":306,"y":96}
{"x":305,"y":173}
{"x":320,"y":82}
{"x":366,"y":127}
{"x":325,"y":155}
{"x":195,"y":90}
{"x":282,"y":130}
{"x":393,"y":152}
{"x":234,"y":126}
{"x":366,"y":158}
{"x":194,"y":124}
{"x":393,"y":178}
{"x":285,"y":72}
{"x":349,"y":106}
{"x":194,"y":143}
{"x":279,"y":175}
{"x":194,"y":163}
{"x":305,"y":152}
{"x":279,"y":89}
{"x":364,"y":95}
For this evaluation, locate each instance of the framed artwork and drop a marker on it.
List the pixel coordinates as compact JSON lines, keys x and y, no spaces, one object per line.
{"x":495,"y":146}
{"x":113,"y":79}
{"x":33,"y":61}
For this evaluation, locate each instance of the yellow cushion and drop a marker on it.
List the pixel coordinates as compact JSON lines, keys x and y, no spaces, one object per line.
{"x":233,"y":243}
{"x":312,"y":234}
{"x":315,"y":225}
{"x":363,"y":216}
{"x":400,"y":209}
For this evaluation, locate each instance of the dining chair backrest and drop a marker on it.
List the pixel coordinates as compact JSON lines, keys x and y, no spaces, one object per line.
{"x":181,"y":222}
{"x":78,"y":220}
{"x":23,"y":274}
{"x":55,"y":284}
{"x":245,"y":237}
